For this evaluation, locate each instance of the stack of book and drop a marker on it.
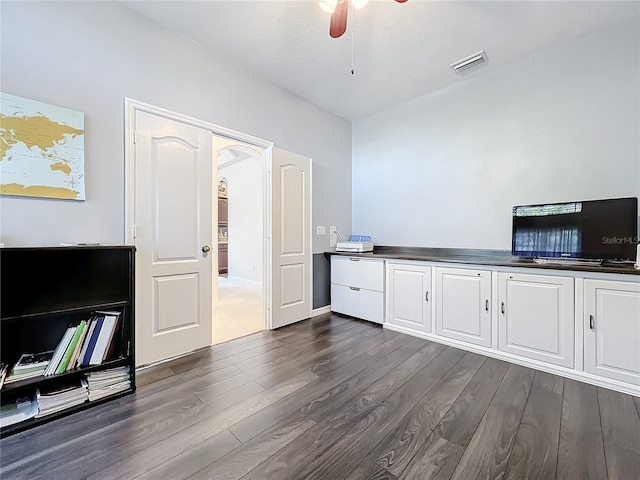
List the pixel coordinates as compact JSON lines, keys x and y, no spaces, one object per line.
{"x":55,"y":400}
{"x":108,"y":382}
{"x":88,"y":343}
{"x":29,"y":365}
{"x":18,"y":410}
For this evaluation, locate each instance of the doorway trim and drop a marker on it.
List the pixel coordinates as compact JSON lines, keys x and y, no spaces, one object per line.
{"x":131,"y":107}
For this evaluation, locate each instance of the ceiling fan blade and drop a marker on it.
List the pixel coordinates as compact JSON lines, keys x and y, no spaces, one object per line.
{"x":338,"y":24}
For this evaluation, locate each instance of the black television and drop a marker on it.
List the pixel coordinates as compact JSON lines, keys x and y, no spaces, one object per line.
{"x":592,"y":230}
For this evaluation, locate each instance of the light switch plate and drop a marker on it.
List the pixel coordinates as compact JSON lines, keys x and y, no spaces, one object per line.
{"x":321,"y":230}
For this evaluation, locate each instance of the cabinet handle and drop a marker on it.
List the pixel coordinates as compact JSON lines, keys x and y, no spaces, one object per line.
{"x":426,"y":296}
{"x":355,"y":289}
{"x":502,"y":307}
{"x":354,"y":259}
{"x":591,"y":322}
{"x":486,"y":305}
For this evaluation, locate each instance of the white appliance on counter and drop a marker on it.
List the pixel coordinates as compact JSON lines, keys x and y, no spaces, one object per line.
{"x":356,"y":244}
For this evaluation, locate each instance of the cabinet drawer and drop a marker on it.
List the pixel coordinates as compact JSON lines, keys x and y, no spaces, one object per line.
{"x":358,"y":272}
{"x":365,"y":304}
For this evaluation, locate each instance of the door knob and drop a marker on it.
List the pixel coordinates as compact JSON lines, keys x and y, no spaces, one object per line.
{"x":206,"y":249}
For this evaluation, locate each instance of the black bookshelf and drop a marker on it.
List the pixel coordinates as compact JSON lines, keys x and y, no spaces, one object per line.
{"x":43,"y":290}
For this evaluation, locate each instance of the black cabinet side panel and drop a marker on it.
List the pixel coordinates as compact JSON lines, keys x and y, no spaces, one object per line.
{"x":321,"y":280}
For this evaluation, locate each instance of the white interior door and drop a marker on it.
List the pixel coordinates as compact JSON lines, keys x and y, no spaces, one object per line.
{"x":173,"y":229}
{"x":291,"y":238}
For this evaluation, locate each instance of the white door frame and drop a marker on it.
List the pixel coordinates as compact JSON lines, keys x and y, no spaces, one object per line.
{"x":132,"y":106}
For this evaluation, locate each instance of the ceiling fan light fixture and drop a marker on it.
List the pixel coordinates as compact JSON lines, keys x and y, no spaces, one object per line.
{"x":328,"y":6}
{"x":339,"y":10}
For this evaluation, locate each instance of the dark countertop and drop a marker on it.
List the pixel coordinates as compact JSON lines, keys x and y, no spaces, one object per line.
{"x":490,"y":258}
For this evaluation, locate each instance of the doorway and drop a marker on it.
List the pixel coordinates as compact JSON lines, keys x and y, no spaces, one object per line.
{"x":170,"y":194}
{"x":238,"y":303}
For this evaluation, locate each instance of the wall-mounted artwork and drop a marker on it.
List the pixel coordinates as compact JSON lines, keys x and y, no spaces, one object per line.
{"x":41,"y":149}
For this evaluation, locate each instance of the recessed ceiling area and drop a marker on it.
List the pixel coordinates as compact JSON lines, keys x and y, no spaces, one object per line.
{"x":398,"y":51}
{"x":234,"y":154}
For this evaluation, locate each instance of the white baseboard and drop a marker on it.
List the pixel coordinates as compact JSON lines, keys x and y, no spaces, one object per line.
{"x":321,"y":311}
{"x":534,"y":364}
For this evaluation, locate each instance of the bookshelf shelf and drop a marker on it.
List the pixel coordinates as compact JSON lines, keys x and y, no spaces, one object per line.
{"x":34,"y":422}
{"x":79,"y":308}
{"x":46,"y":290}
{"x":41,"y":381}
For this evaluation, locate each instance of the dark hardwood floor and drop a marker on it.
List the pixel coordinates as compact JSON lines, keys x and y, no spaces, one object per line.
{"x":337,"y":398}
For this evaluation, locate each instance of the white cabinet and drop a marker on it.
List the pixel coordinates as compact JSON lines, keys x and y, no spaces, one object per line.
{"x":409,"y":296}
{"x":357,"y":287}
{"x":584,"y":325}
{"x":612,"y":330}
{"x":536,"y":317}
{"x":463,"y":305}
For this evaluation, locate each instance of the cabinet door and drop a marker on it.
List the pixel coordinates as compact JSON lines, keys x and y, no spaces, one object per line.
{"x":409,"y":296}
{"x":536,"y":317}
{"x":612,"y":331}
{"x":463,"y":306}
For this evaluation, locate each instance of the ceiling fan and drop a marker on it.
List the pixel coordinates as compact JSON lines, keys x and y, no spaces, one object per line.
{"x":338,"y":10}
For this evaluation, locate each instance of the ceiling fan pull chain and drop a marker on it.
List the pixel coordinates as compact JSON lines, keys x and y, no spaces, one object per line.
{"x":353,"y":32}
{"x":352,"y":62}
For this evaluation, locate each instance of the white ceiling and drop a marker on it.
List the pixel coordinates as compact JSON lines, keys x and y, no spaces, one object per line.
{"x":401,"y":51}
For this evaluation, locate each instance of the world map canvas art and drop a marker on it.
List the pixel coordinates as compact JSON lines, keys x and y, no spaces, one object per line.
{"x":41,"y":149}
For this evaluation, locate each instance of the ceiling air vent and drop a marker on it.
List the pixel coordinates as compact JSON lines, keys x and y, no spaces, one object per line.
{"x":472,"y":61}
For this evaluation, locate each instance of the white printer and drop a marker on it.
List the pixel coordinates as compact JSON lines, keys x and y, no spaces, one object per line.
{"x":356,"y":244}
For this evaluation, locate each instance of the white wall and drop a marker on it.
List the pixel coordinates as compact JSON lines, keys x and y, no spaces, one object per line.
{"x":562,"y":124}
{"x":89,"y":56}
{"x":246,"y":203}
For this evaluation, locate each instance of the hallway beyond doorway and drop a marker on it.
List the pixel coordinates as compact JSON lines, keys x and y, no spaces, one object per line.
{"x":238,"y":310}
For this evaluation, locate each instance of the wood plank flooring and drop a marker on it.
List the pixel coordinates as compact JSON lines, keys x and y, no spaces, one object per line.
{"x":337,"y":398}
